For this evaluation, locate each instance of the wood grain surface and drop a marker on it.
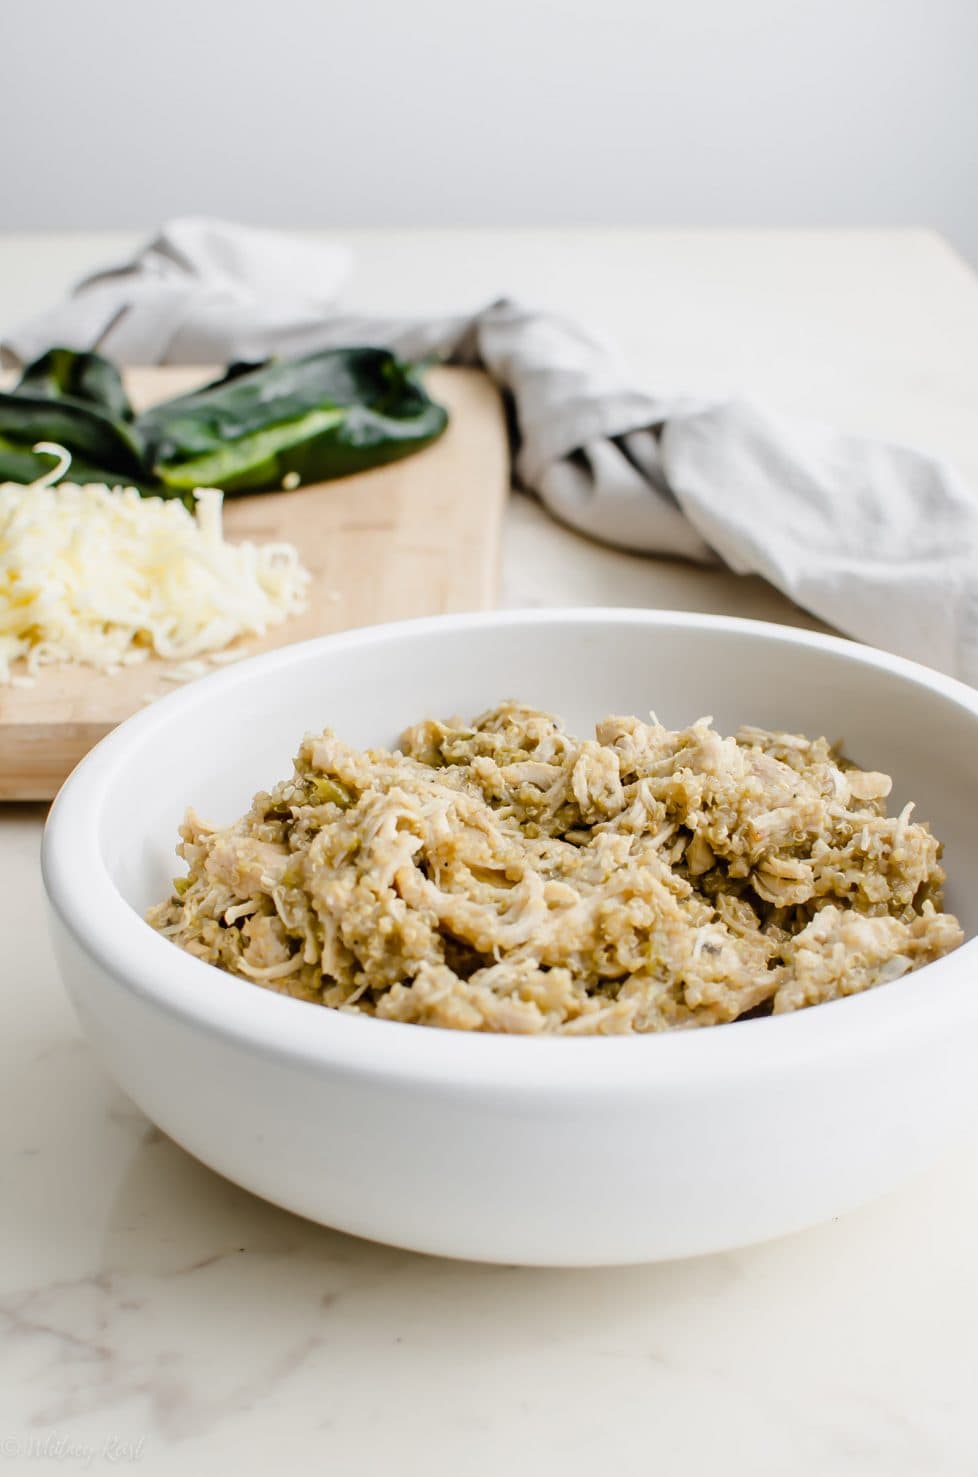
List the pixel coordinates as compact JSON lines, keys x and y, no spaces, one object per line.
{"x":418,"y":537}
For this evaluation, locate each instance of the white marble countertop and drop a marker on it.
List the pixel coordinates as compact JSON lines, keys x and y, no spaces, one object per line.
{"x":154,"y":1316}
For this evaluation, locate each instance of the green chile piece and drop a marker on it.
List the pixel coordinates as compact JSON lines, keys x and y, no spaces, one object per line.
{"x":327,"y":415}
{"x":307,"y":420}
{"x":71,"y":374}
{"x":93,"y":438}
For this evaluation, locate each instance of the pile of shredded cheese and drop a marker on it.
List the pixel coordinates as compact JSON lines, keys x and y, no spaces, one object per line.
{"x":105,"y":577}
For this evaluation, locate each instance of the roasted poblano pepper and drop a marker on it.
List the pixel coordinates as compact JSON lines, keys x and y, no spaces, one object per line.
{"x":89,"y":377}
{"x":307,"y":420}
{"x":77,"y":401}
{"x":310,"y":419}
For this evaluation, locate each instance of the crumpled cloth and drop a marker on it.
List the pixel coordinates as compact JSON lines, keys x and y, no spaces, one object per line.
{"x":880,"y":540}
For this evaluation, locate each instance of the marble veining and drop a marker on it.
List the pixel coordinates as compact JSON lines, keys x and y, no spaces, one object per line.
{"x":154,"y":1317}
{"x":149,"y":1307}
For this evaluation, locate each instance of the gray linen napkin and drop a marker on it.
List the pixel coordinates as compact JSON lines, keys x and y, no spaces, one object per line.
{"x":879,"y":539}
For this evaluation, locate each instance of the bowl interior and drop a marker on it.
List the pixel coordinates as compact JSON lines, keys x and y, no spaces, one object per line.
{"x":213,"y":745}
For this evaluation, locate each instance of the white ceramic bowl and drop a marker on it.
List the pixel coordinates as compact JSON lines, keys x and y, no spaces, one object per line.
{"x":551,"y":1151}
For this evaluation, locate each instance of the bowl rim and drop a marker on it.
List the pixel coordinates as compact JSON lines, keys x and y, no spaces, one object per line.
{"x":118,"y":941}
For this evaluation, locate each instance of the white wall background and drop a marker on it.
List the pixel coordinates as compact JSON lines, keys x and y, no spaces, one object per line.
{"x":509,"y":112}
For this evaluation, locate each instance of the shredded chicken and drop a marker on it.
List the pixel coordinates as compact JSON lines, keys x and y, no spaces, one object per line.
{"x":504,"y":875}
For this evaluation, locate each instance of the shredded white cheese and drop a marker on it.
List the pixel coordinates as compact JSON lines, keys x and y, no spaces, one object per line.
{"x":105,"y":577}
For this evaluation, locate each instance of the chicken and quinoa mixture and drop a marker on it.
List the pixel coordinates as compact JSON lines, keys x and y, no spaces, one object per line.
{"x":503,"y":875}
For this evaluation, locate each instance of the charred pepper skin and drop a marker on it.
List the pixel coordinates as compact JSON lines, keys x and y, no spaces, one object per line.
{"x":76,"y":401}
{"x":323,"y":416}
{"x":327,"y":415}
{"x":69,"y":373}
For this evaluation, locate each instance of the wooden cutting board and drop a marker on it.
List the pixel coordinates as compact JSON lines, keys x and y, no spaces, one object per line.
{"x":415,"y":538}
